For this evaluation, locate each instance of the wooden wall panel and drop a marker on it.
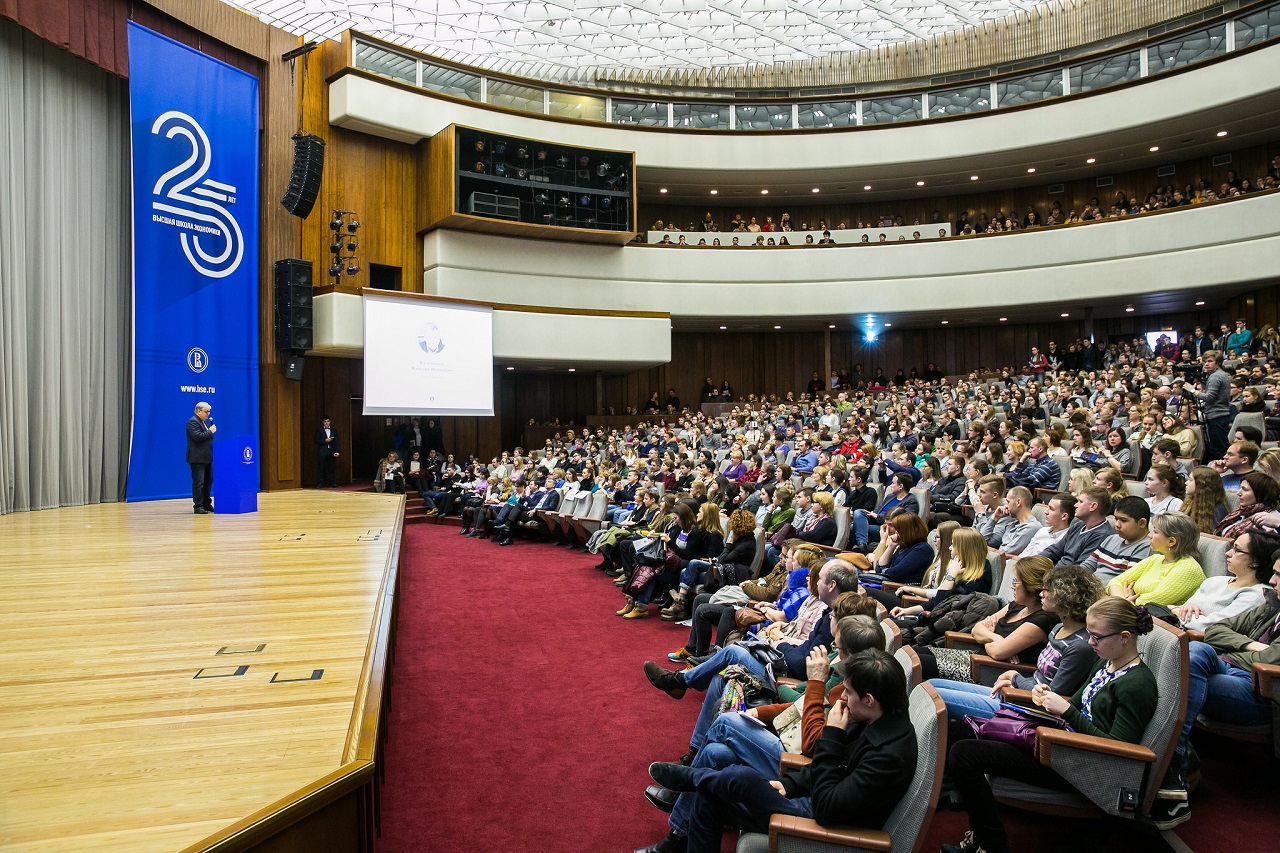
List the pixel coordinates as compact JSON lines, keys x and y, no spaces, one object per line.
{"x":1249,"y":162}
{"x":375,"y":177}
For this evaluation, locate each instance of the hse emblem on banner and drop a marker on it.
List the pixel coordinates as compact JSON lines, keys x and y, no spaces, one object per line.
{"x":197,"y":360}
{"x":185,"y":199}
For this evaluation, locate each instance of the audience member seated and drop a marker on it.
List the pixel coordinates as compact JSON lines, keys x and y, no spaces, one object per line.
{"x":1244,"y":587}
{"x":866,"y":525}
{"x":1016,"y":633}
{"x":1172,"y":573}
{"x":1086,"y":532}
{"x":1117,"y":702}
{"x":1128,"y":546}
{"x":1259,"y":495}
{"x":904,"y":552}
{"x":1206,"y":501}
{"x":862,"y":766}
{"x":1064,"y":664}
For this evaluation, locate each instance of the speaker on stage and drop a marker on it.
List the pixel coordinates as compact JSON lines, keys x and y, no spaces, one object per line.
{"x":304,"y":181}
{"x":293,"y":368}
{"x":293,"y":306}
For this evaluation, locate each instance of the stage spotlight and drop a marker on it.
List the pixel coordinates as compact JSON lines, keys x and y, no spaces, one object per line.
{"x":603,"y":169}
{"x":479,"y":145}
{"x":353,"y":225}
{"x":352,"y":269}
{"x":479,"y":166}
{"x":335,"y":248}
{"x":352,"y":246}
{"x":500,"y":149}
{"x":541,"y":198}
{"x":605,"y":202}
{"x":563,"y":161}
{"x":585,"y":200}
{"x":522,"y":153}
{"x":547,"y":218}
{"x":564,"y":201}
{"x":521,"y":174}
{"x":500,"y":169}
{"x":336,"y":223}
{"x":541,"y":156}
{"x":335,"y":270}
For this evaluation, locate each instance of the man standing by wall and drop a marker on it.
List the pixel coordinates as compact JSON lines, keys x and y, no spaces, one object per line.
{"x":200,"y":458}
{"x":327,"y":448}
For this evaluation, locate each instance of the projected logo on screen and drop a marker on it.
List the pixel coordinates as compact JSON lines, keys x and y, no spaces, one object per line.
{"x":430,"y":341}
{"x":210,"y":236}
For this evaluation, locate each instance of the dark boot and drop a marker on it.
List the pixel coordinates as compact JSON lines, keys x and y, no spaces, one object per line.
{"x":671,"y":844}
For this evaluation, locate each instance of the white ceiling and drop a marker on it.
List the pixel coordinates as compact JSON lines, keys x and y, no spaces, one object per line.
{"x":566,"y":40}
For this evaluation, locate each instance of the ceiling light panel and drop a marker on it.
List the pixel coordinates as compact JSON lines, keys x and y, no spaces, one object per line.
{"x":568,"y":40}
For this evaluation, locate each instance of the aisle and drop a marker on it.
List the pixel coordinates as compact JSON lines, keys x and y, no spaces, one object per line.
{"x":520,"y":717}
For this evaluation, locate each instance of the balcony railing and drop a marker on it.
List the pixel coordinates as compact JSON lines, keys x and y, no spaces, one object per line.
{"x":1149,"y":59}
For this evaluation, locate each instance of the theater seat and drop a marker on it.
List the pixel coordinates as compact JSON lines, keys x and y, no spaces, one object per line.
{"x":907,"y":826}
{"x":1211,"y":553}
{"x":1100,"y":768}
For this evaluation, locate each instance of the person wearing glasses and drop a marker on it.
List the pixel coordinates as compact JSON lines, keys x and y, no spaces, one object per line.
{"x":1117,"y":701}
{"x":1244,"y":587}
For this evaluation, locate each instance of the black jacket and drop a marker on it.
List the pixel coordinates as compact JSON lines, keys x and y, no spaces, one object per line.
{"x":327,"y":448}
{"x":199,"y":442}
{"x":860,"y":775}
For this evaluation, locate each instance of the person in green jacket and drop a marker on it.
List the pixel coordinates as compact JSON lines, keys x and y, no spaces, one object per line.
{"x":780,"y":512}
{"x":1118,"y":702}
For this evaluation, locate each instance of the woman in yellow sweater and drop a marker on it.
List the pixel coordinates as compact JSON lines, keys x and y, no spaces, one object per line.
{"x":1171,"y":574}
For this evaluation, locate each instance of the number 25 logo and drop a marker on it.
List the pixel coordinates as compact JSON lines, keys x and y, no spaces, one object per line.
{"x":200,"y":204}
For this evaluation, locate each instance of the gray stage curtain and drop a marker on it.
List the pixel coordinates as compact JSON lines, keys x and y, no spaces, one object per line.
{"x":65,"y":278}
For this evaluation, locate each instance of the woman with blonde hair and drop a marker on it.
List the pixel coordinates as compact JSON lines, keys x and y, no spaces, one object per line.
{"x":967,"y":571}
{"x":1269,"y":463}
{"x":1111,"y":480}
{"x":1080,"y":479}
{"x":1175,"y":429}
{"x":1206,"y":500}
{"x":1172,"y":573}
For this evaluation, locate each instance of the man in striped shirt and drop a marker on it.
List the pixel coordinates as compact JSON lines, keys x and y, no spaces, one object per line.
{"x":1126,"y":547}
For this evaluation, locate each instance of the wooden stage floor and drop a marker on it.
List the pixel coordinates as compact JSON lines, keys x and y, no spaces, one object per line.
{"x":164,"y":675}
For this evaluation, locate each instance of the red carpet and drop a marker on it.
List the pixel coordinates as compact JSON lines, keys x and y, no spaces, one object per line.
{"x":520,"y":717}
{"x":521,"y":720}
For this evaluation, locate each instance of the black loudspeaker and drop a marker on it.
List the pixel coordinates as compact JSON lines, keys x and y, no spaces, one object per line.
{"x":304,"y":181}
{"x":293,"y":306}
{"x":293,"y":368}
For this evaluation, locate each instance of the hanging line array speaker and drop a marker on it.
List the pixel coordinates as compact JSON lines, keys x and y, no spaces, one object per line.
{"x":304,"y":180}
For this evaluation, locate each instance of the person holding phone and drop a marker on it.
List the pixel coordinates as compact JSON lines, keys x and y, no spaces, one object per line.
{"x":200,"y":431}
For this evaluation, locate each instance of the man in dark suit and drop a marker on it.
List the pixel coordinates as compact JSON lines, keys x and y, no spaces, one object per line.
{"x":200,"y":458}
{"x":326,"y":451}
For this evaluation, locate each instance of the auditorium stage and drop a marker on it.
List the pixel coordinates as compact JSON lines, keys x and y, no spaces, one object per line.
{"x":171,"y":681}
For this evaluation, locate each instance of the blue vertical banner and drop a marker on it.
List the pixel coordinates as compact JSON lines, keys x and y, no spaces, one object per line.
{"x":195,"y":259}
